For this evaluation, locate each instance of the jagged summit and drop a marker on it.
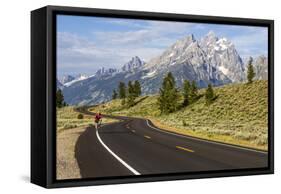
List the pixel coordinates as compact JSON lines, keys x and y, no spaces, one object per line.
{"x":184,"y":42}
{"x":211,"y":58}
{"x":134,"y":63}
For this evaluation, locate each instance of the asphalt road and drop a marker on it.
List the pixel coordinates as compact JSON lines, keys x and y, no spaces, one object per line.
{"x":135,"y":147}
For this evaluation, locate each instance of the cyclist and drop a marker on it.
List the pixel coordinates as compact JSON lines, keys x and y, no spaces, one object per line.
{"x":98,"y":120}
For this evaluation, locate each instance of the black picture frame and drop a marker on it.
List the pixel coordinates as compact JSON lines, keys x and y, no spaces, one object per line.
{"x":43,"y":89}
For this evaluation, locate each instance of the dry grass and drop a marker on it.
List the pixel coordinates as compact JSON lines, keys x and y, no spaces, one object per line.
{"x":219,"y":137}
{"x":67,"y":118}
{"x":67,"y":167}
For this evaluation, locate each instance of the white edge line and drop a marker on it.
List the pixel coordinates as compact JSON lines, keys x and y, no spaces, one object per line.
{"x":117,"y":157}
{"x":189,"y":137}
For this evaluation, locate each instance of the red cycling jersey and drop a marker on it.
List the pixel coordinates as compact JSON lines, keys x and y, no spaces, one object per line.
{"x":97,"y":117}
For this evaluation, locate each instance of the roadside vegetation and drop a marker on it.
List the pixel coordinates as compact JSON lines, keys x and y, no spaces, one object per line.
{"x":235,"y":113}
{"x":70,"y":124}
{"x":68,"y":118}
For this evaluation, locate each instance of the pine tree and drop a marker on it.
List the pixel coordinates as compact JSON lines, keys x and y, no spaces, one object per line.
{"x":169,"y":96}
{"x":193,"y":92}
{"x":137,"y":88}
{"x":131,"y":94}
{"x":60,"y":99}
{"x":186,"y":92}
{"x":114,"y":95}
{"x":122,"y":92}
{"x":209,"y":94}
{"x":250,"y":73}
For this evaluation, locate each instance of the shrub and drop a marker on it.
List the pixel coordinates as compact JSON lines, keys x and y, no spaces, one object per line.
{"x":209,"y":94}
{"x":80,"y":116}
{"x":263,"y":140}
{"x":69,"y":126}
{"x":245,"y":136}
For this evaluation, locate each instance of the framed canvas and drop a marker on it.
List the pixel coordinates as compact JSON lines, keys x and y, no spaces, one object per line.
{"x":128,"y":96}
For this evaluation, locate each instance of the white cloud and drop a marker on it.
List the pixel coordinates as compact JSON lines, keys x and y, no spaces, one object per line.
{"x":113,"y":49}
{"x":153,"y":31}
{"x":80,"y":55}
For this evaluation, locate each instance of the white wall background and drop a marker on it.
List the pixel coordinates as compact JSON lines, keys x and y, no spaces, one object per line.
{"x":15,"y":95}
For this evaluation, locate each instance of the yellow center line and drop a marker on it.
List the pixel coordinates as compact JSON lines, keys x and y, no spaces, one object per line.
{"x":146,"y":136}
{"x":185,"y":149}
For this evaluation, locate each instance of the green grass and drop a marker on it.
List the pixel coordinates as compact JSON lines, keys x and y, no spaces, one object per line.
{"x":238,"y":115}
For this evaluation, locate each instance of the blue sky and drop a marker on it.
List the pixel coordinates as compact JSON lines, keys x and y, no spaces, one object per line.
{"x":86,"y":44}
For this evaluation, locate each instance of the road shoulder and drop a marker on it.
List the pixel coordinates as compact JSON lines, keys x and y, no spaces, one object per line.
{"x":67,"y":166}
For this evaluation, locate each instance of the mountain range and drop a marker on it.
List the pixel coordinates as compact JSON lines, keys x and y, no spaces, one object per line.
{"x":208,"y":60}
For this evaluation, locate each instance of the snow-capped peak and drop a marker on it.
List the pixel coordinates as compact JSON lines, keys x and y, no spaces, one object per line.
{"x":209,"y":39}
{"x":66,"y":78}
{"x":78,"y":78}
{"x":82,"y":76}
{"x":211,"y":52}
{"x":223,"y":43}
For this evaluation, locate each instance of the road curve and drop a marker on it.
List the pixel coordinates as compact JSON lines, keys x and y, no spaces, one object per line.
{"x":134,"y":146}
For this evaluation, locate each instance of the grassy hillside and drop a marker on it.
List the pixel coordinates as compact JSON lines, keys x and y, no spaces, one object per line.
{"x":237,"y":116}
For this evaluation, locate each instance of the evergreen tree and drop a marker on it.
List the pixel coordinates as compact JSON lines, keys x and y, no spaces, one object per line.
{"x":186,"y":92}
{"x":193,"y":92}
{"x":137,"y":88}
{"x":169,"y":95}
{"x":209,"y":94}
{"x":60,"y":99}
{"x":122,"y":92}
{"x":114,"y":95}
{"x":131,"y":94}
{"x":250,"y":73}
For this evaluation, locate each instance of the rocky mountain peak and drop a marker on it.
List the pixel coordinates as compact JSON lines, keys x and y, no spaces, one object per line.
{"x":209,"y":39}
{"x":134,"y":63}
{"x":183,"y":43}
{"x":103,"y":71}
{"x":66,"y":78}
